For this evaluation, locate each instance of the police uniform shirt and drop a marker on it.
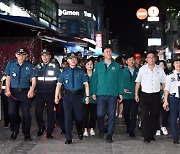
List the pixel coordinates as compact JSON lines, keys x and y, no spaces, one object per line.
{"x":70,"y":83}
{"x":150,"y":80}
{"x":47,"y":75}
{"x":172,"y":83}
{"x":19,"y":75}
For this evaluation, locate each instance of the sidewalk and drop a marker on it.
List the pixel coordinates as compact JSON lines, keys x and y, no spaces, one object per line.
{"x":122,"y":144}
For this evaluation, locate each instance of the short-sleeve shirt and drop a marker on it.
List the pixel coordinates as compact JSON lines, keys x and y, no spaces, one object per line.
{"x":66,"y":78}
{"x":151,"y":80}
{"x":172,"y":84}
{"x":19,"y":75}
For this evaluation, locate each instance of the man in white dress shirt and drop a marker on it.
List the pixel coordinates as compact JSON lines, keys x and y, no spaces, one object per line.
{"x":149,"y":79}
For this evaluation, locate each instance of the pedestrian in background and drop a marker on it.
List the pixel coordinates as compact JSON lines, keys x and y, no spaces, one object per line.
{"x":74,"y":80}
{"x":165,"y":113}
{"x":172,"y":97}
{"x":150,"y":78}
{"x":59,"y":106}
{"x":20,"y":85}
{"x":106,"y":89}
{"x":47,"y":74}
{"x":89,"y":110}
{"x":130,"y":105}
{"x":4,"y":101}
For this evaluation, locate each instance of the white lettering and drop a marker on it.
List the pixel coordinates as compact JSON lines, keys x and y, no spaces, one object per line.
{"x":68,"y":13}
{"x":87,"y":14}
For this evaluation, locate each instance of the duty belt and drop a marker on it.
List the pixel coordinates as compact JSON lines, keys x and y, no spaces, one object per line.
{"x":20,"y":89}
{"x":77,"y":92}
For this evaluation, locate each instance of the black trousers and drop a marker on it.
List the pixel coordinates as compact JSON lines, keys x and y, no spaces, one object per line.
{"x":130,"y":107}
{"x":150,"y":106}
{"x":89,"y":115}
{"x":72,"y":111}
{"x":16,"y":100}
{"x":4,"y":100}
{"x":60,"y":114}
{"x":43,"y":100}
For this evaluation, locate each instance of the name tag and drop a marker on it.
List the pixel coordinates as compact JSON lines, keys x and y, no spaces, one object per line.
{"x":50,"y":72}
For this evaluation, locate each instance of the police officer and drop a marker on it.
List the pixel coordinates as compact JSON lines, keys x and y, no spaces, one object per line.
{"x":172,"y":96}
{"x":20,"y":74}
{"x":73,"y":79}
{"x":47,"y":73}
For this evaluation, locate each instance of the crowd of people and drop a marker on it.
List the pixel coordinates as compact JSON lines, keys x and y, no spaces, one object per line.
{"x":92,"y":91}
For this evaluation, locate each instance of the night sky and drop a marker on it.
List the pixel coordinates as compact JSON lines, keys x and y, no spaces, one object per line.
{"x":125,"y":25}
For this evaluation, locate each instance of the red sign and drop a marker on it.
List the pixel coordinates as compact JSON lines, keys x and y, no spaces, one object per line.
{"x":99,"y":40}
{"x":141,"y":14}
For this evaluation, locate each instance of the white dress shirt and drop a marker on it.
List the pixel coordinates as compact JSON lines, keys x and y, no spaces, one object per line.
{"x":151,"y":79}
{"x":172,"y":84}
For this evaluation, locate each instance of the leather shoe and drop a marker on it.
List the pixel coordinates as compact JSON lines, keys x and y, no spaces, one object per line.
{"x":101,"y":134}
{"x":80,"y":136}
{"x":40,"y":132}
{"x":63,"y":132}
{"x":131,"y":134}
{"x":68,"y":141}
{"x":176,"y":141}
{"x":14,"y":135}
{"x":146,"y":140}
{"x":152,"y":139}
{"x":27,"y":138}
{"x":109,"y":139}
{"x":49,"y":136}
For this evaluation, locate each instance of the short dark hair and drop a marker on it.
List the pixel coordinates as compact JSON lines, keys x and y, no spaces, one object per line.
{"x":107,"y":46}
{"x":151,"y":52}
{"x":129,"y":56}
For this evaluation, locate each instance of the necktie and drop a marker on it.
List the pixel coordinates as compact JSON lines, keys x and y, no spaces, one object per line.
{"x":73,"y":78}
{"x":19,"y":75}
{"x":178,"y":76}
{"x":178,"y":79}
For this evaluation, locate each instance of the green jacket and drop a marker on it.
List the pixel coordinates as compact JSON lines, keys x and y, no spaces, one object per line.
{"x":90,"y":94}
{"x":128,"y":82}
{"x":106,"y":81}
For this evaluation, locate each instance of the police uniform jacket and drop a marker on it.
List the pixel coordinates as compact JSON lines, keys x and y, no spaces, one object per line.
{"x":19,"y":75}
{"x":47,"y":75}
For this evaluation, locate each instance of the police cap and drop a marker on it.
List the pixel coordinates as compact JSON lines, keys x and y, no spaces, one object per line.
{"x":45,"y":51}
{"x":22,"y":51}
{"x":71,"y":55}
{"x":176,"y":57}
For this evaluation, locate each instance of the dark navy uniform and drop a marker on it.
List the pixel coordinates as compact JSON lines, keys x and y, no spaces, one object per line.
{"x":47,"y":75}
{"x":20,"y":77}
{"x":172,"y":97}
{"x":72,"y":80}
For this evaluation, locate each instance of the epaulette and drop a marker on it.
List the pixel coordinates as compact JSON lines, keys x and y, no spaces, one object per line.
{"x":52,"y":64}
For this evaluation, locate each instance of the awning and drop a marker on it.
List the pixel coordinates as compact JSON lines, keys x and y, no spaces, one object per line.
{"x":22,"y":21}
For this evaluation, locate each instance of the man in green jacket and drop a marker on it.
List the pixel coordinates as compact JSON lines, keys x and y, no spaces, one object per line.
{"x":106,"y":88}
{"x":130,"y":106}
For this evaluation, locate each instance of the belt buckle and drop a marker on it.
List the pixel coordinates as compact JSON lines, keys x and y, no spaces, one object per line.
{"x":20,"y":89}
